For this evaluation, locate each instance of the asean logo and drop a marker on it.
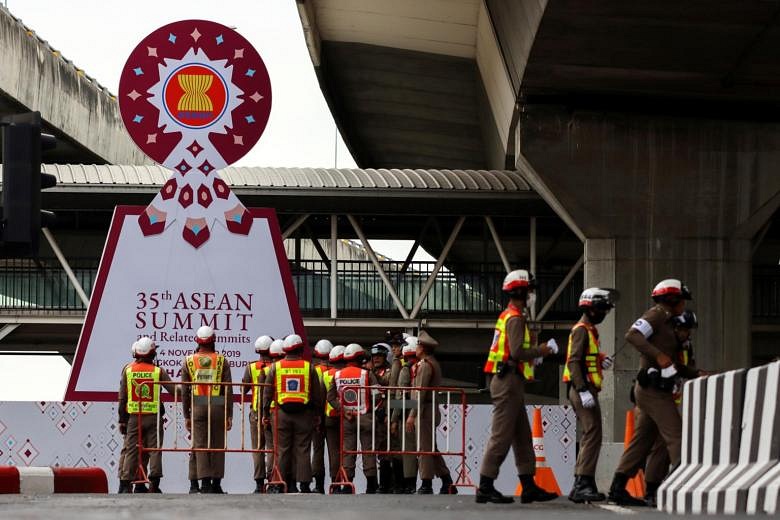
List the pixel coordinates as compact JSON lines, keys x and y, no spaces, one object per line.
{"x":195,"y":95}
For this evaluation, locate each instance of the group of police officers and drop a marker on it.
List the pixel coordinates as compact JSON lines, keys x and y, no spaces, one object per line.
{"x":301,"y":405}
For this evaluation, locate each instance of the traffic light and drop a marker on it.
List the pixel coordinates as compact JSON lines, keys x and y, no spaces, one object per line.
{"x":23,"y":181}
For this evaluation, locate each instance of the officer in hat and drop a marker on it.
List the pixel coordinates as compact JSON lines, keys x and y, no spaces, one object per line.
{"x":255,"y":375}
{"x":321,"y":361}
{"x":405,"y":466}
{"x":653,"y":336}
{"x":382,"y":371}
{"x":332,"y":424}
{"x":583,"y":376}
{"x":208,"y":408}
{"x":428,"y":374}
{"x":510,"y":364}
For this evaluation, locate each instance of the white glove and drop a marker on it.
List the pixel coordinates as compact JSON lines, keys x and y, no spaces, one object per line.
{"x":668,"y":372}
{"x":607,"y":362}
{"x":538,"y":361}
{"x":552,"y":345}
{"x":588,"y":401}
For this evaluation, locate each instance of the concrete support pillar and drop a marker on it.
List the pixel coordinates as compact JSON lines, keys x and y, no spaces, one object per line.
{"x":718,"y":271}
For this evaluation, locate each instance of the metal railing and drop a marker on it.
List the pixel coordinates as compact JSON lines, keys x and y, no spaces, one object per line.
{"x":459,"y":288}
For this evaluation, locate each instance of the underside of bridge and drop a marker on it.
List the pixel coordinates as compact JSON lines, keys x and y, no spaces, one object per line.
{"x":650,"y":128}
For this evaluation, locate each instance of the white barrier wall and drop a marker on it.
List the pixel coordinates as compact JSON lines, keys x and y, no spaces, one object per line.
{"x":731,"y":445}
{"x":85,"y":433}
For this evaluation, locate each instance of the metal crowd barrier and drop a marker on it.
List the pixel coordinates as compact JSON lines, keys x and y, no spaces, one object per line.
{"x":241,"y":398}
{"x":383,"y":402}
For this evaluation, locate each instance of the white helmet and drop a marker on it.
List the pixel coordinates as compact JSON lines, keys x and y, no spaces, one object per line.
{"x":516,"y":280}
{"x":337,"y":353}
{"x":353,"y":351}
{"x":144,"y":346}
{"x":277,"y":348}
{"x":405,"y":335}
{"x":292,"y":342}
{"x":322,"y":348}
{"x":410,"y":349}
{"x":205,"y":334}
{"x":263,"y":343}
{"x":132,"y":348}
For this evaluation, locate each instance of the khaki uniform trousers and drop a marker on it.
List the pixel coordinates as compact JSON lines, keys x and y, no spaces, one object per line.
{"x":333,"y":437}
{"x":129,"y":468}
{"x":258,"y":443}
{"x":350,"y":444}
{"x":209,"y":464}
{"x":269,"y":445}
{"x":294,"y":443}
{"x":590,"y":442}
{"x":318,"y":452}
{"x":510,"y":427}
{"x":657,"y":466}
{"x":430,"y":465}
{"x":657,"y":416}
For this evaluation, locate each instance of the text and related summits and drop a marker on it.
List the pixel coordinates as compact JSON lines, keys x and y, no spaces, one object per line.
{"x":171,"y":319}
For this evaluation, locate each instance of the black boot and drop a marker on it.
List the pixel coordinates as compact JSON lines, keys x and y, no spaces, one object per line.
{"x":319,"y":485}
{"x":398,"y":476}
{"x":304,"y":487}
{"x":410,"y":485}
{"x":426,"y":488}
{"x":487,"y":493}
{"x":446,"y":486}
{"x":154,"y":486}
{"x":592,"y":481}
{"x":140,"y":488}
{"x":651,"y":490}
{"x":205,"y":485}
{"x":371,"y":485}
{"x":619,"y":495}
{"x":259,"y":485}
{"x":124,"y":487}
{"x":292,"y":487}
{"x":194,"y":487}
{"x":532,"y":492}
{"x":216,"y":487}
{"x":584,"y":491}
{"x":385,"y":477}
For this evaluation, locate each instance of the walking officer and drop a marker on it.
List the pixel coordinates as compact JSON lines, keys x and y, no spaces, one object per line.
{"x":296,"y":390}
{"x":355,"y":406}
{"x":321,"y":363}
{"x":255,"y":375}
{"x":139,"y":398}
{"x":428,"y":374}
{"x":657,"y":465}
{"x":208,"y":408}
{"x":510,"y":364}
{"x":583,"y":376}
{"x":653,"y":336}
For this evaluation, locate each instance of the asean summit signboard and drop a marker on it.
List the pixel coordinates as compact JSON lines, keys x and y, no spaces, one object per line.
{"x":195,"y":96}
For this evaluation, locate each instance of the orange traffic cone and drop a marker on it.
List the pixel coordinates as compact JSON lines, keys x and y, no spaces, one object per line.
{"x":544,"y":478}
{"x":636,"y":485}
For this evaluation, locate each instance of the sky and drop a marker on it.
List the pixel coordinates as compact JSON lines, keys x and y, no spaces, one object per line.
{"x":98,"y":36}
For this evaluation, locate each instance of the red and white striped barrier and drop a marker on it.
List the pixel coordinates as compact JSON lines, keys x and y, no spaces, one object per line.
{"x":45,"y":481}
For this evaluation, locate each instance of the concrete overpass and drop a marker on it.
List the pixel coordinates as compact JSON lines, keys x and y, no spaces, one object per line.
{"x":82,"y":114}
{"x":650,"y":128}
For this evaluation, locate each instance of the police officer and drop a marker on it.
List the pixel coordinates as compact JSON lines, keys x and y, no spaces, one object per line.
{"x":354,"y":404}
{"x":406,"y":476}
{"x":657,"y":466}
{"x":428,"y":374}
{"x":297,"y":393}
{"x":396,"y":341}
{"x":255,"y":375}
{"x":510,"y":364}
{"x":320,"y":360}
{"x":140,"y":397}
{"x":276,"y":353}
{"x":382,"y":371}
{"x":332,"y":424}
{"x":208,"y":408}
{"x":122,"y":426}
{"x":583,"y":377}
{"x":653,"y":336}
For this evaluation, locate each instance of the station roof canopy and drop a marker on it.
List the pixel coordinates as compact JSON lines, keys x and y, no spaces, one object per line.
{"x":310,"y":190}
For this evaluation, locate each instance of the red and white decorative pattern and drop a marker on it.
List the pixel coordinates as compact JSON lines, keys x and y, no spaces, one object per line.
{"x":195,"y":96}
{"x":27,"y":480}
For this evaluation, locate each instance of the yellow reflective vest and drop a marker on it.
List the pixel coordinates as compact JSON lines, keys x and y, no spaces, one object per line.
{"x":592,"y":357}
{"x":205,"y":368}
{"x":255,"y":369}
{"x":292,"y":381}
{"x":142,"y":394}
{"x":499,"y":350}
